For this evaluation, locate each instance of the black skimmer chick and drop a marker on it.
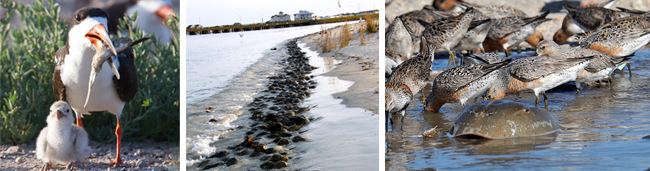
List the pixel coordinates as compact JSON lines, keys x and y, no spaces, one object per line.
{"x":600,"y":67}
{"x":462,"y":83}
{"x":537,"y":73}
{"x":446,"y":33}
{"x":86,"y":43}
{"x":60,"y":141}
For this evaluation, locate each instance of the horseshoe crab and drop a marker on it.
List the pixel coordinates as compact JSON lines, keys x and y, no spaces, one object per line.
{"x":502,"y":119}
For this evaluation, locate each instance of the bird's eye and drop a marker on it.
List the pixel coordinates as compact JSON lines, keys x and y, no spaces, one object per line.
{"x":67,"y":110}
{"x":526,"y":110}
{"x":78,"y":17}
{"x":543,"y":47}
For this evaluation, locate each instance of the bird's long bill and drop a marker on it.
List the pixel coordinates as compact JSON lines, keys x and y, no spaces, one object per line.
{"x":98,"y":37}
{"x":164,"y":12}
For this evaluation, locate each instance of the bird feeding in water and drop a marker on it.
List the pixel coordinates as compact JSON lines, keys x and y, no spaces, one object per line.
{"x":84,"y":55}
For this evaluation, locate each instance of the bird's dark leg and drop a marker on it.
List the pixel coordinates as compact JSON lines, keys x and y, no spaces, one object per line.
{"x":387,"y":120}
{"x":545,"y":99}
{"x":70,"y":165}
{"x":47,"y":166}
{"x":118,"y":133}
{"x":629,"y":70}
{"x":536,"y":101}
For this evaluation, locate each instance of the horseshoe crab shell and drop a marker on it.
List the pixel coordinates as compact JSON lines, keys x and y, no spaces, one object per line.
{"x":503,"y":119}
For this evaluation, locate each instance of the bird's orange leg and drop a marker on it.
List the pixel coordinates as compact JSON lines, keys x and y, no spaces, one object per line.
{"x":79,"y":123}
{"x":118,"y":133}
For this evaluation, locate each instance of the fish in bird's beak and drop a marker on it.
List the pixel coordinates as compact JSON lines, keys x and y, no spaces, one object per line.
{"x":59,"y":114}
{"x":164,"y":12}
{"x":103,"y":55}
{"x":98,"y":37}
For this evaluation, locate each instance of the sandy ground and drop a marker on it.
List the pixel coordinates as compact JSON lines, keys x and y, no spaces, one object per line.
{"x":359,"y":63}
{"x":135,"y":155}
{"x":548,"y":29}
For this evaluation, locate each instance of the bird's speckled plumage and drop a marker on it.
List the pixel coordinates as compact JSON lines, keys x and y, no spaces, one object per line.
{"x":618,"y":42}
{"x":537,"y":73}
{"x":483,"y":58}
{"x":397,"y":99}
{"x":427,"y":14}
{"x":495,"y":11}
{"x":414,"y":72}
{"x":399,"y":38}
{"x":462,"y":83}
{"x":393,"y":59}
{"x":599,"y":68}
{"x":590,"y":18}
{"x":446,"y":33}
{"x":475,"y":35}
{"x":634,"y":22}
{"x":511,"y":31}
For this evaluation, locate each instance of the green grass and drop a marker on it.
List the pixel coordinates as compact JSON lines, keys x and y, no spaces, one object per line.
{"x":27,"y":64}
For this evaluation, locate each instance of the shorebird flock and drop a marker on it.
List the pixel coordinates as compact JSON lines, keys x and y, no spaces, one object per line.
{"x":606,"y":39}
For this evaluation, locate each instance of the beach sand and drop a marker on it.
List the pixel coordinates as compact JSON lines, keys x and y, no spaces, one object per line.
{"x":359,"y":63}
{"x":135,"y":155}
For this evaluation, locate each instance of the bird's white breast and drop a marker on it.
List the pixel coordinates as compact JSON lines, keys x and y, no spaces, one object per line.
{"x":75,"y":77}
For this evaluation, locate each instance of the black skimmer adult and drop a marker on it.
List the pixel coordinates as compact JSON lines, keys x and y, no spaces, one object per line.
{"x":151,"y":14}
{"x":87,"y":42}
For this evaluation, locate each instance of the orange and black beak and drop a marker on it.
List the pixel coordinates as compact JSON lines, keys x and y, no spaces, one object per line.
{"x":59,"y":114}
{"x":164,"y":12}
{"x":98,"y":37}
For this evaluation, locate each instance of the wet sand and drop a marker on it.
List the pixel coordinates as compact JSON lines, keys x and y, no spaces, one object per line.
{"x":359,"y":63}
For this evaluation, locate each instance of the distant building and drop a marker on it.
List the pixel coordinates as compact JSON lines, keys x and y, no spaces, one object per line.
{"x":237,"y":24}
{"x":302,"y":15}
{"x":280,"y":17}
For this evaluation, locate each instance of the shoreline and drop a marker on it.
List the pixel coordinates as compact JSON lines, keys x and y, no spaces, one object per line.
{"x":359,"y":63}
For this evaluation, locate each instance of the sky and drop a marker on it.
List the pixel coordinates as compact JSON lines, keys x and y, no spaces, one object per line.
{"x":212,"y":13}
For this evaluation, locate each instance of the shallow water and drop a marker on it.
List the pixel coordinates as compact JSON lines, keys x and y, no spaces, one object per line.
{"x":224,"y":71}
{"x":602,"y":130}
{"x":335,"y":131}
